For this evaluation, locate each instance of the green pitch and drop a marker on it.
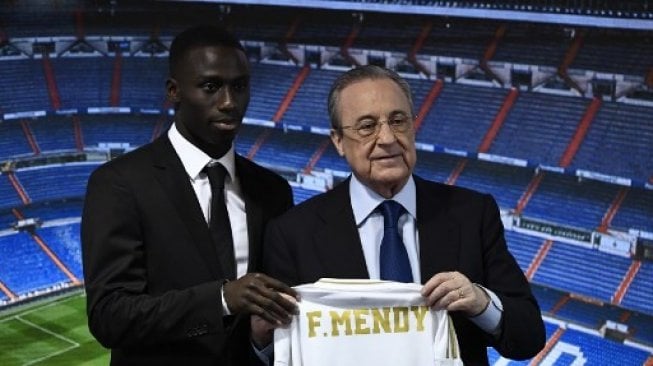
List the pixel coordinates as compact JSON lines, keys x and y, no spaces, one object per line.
{"x":50,"y":333}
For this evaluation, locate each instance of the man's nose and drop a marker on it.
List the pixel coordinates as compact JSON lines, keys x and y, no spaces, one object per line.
{"x":386,"y":135}
{"x":226,"y":98}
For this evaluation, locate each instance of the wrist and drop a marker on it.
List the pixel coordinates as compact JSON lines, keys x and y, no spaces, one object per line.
{"x":487,"y":300}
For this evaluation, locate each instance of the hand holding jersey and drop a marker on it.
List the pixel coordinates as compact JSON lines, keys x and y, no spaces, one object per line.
{"x":362,"y":322}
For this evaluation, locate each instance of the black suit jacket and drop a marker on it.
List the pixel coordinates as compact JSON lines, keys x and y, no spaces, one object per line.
{"x":459,"y":230}
{"x":152,"y":273}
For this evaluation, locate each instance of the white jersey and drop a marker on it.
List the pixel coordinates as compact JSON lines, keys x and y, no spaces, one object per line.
{"x":364,"y":322}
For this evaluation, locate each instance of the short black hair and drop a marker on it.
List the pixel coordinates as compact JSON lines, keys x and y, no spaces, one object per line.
{"x":202,"y":35}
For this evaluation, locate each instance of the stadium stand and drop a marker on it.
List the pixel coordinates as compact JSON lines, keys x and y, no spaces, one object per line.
{"x":132,"y":129}
{"x":523,"y":247}
{"x":54,"y":182}
{"x":332,"y":161}
{"x":587,"y":314}
{"x":539,"y":127}
{"x":268,"y":86}
{"x":518,"y":46}
{"x":309,"y":107}
{"x":636,"y":211}
{"x":595,"y":350}
{"x":461,"y":116}
{"x":619,"y":142}
{"x":54,"y":210}
{"x":437,"y":167}
{"x":576,"y":269}
{"x":568,"y":201}
{"x":574,"y":285}
{"x":619,"y":52}
{"x":506,"y":183}
{"x":8,"y":196}
{"x":28,"y":91}
{"x":76,"y":88}
{"x":54,"y":133}
{"x":64,"y":241}
{"x":143,"y":82}
{"x":24,"y":267}
{"x":640,"y":293}
{"x":301,"y":194}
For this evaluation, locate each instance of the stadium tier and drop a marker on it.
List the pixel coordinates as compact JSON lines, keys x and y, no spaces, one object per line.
{"x":24,"y":266}
{"x":64,"y":242}
{"x":460,"y":116}
{"x":29,"y":90}
{"x":55,"y":182}
{"x":580,"y":270}
{"x":568,"y":201}
{"x":80,"y":96}
{"x":53,"y":134}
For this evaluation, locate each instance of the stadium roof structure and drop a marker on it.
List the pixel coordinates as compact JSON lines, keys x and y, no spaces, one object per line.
{"x":628,"y":14}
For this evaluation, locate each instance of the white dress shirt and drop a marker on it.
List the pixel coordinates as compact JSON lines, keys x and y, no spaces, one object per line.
{"x":194,"y":160}
{"x":370,"y":229}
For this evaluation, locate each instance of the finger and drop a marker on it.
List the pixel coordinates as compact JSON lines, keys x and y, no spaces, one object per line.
{"x":272,"y":303}
{"x":288,"y":303}
{"x":445,"y":301}
{"x":434,"y":282}
{"x":440,"y":292}
{"x":266,"y":316}
{"x":461,"y":299}
{"x":276,"y":285}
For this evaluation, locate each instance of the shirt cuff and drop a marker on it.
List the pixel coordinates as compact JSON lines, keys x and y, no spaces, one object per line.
{"x":490,"y":319}
{"x":225,"y":308}
{"x":264,"y":354}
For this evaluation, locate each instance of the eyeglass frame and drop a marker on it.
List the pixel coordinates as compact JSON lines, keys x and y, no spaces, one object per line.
{"x":409,"y":119}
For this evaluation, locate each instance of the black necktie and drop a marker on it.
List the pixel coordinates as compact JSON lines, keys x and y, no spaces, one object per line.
{"x":394,"y":263}
{"x":219,"y":224}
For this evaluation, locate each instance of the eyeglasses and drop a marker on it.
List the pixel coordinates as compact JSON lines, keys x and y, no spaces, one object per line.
{"x":371,"y":127}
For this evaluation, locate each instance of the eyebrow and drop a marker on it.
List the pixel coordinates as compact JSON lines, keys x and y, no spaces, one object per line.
{"x":391,"y":114}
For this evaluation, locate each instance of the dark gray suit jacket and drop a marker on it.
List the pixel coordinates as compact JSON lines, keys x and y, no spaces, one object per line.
{"x":459,"y":230}
{"x":151,"y":269}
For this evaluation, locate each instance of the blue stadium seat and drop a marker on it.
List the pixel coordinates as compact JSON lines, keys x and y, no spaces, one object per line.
{"x":640,"y":293}
{"x":636,"y":211}
{"x":24,"y":267}
{"x":64,"y":240}
{"x":583,"y":271}
{"x":54,"y":134}
{"x":539,"y":127}
{"x":13,"y":142}
{"x":54,"y":182}
{"x":566,"y":200}
{"x":461,"y":116}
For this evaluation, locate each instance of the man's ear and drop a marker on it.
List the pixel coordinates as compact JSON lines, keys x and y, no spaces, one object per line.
{"x":172,"y":90}
{"x":336,"y":138}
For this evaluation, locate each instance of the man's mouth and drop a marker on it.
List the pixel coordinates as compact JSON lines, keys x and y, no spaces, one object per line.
{"x":386,"y":157}
{"x":225,"y":124}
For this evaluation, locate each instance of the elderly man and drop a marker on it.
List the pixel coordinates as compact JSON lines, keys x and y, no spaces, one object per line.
{"x":384,"y":222}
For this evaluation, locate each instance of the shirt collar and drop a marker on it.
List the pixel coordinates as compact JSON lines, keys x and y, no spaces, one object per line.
{"x":364,"y":200}
{"x":194,"y":159}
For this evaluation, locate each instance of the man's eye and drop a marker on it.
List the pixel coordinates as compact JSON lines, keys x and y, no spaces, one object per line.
{"x":367,"y":125}
{"x":210,"y":87}
{"x":240,"y":86}
{"x":398,"y":120}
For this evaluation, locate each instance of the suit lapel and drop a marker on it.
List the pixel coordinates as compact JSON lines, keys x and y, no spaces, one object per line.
{"x":439,"y":236}
{"x":254,"y":213}
{"x":172,"y":176}
{"x":338,"y":243}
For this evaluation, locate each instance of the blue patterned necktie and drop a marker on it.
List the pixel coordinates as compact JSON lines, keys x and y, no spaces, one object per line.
{"x":394,"y":262}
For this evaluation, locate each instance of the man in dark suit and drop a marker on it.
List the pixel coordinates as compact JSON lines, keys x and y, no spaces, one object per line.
{"x":166,"y":283}
{"x":450,"y":239}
